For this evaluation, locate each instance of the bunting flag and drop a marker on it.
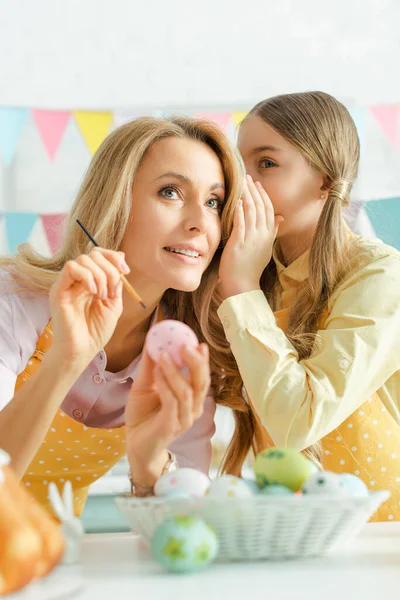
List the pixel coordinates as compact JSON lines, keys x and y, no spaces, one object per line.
{"x":387,"y":116}
{"x":94,"y":126}
{"x":223,"y":119}
{"x":54,"y":226}
{"x":238,"y":116}
{"x":50,"y":188}
{"x":51,"y":125}
{"x":18,"y":229}
{"x":12,"y":123}
{"x":385,"y":219}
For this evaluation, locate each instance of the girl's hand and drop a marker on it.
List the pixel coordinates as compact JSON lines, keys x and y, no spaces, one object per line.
{"x":249,"y":248}
{"x":86,"y":303}
{"x":163,"y":403}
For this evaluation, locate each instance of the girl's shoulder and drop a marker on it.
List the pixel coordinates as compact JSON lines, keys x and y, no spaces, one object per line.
{"x":373,"y":267}
{"x":363,"y":251}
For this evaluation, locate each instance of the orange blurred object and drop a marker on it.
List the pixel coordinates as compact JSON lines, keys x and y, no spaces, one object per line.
{"x":31,"y":542}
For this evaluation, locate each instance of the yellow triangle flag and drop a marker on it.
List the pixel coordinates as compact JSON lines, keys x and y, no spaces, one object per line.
{"x":238,"y":116}
{"x":94,"y":126}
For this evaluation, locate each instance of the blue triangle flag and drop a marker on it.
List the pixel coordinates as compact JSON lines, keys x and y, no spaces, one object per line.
{"x":18,"y":228}
{"x":12,"y":122}
{"x":385,"y":218}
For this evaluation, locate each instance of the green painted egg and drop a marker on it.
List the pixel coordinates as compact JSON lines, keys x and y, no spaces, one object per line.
{"x":282,"y":466}
{"x":184,"y":544}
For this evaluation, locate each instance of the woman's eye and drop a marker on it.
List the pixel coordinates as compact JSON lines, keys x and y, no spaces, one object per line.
{"x":214,"y":203}
{"x":170,"y":193}
{"x":265,"y":163}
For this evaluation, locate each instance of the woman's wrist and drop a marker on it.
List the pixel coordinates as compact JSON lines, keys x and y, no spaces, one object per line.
{"x":144,"y":474}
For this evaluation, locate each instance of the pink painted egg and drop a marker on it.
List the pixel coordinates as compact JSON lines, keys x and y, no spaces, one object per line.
{"x":187,"y":481}
{"x":170,"y":336}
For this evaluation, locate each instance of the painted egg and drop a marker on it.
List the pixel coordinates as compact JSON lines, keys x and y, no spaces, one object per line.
{"x":324,"y":482}
{"x":276,"y":490}
{"x":228,"y":486}
{"x":188,"y":481}
{"x":177,"y":494}
{"x":170,"y":336}
{"x":354,"y":485}
{"x":282,"y":466}
{"x":184,"y":544}
{"x":253,"y":485}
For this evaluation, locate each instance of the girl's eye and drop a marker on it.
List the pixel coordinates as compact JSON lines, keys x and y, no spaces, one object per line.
{"x":170,"y":193}
{"x":265,"y":163}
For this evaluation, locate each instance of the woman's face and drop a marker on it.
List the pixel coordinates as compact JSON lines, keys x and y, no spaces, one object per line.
{"x":293,"y":185}
{"x":175,"y":225}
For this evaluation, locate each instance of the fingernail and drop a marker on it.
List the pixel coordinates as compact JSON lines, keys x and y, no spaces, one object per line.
{"x":258,"y":184}
{"x":189,"y":350}
{"x":104,"y":295}
{"x":249,"y":178}
{"x":94,"y":289}
{"x":124,"y":267}
{"x":166,"y":358}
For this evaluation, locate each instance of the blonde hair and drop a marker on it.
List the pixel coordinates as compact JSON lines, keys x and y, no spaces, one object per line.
{"x":322,"y":129}
{"x":103,"y":204}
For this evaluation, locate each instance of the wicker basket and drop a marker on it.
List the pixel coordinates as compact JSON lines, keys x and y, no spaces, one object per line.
{"x":263,"y":527}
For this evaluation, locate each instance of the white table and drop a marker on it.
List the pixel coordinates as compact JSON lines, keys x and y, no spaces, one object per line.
{"x":119,"y":567}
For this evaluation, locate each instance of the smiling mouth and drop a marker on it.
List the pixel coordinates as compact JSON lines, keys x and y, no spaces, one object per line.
{"x":191,"y":253}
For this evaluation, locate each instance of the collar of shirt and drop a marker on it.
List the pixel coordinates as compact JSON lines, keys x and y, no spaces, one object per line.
{"x":296,"y":271}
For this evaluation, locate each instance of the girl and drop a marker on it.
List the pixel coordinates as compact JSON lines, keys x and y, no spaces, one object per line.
{"x":313,"y":320}
{"x":158,"y":196}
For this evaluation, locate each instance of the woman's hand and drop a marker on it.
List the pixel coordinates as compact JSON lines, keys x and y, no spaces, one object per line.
{"x":86,"y":303}
{"x":249,"y":248}
{"x":163,"y":403}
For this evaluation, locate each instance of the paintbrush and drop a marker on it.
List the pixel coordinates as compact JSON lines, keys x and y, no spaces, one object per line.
{"x":126,"y":283}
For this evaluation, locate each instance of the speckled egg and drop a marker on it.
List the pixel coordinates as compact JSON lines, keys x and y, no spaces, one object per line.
{"x":184,"y":544}
{"x":170,"y":336}
{"x":324,"y":482}
{"x":228,"y":486}
{"x":177,"y":494}
{"x":282,"y":466}
{"x":188,"y":481}
{"x":253,"y":485}
{"x":354,"y":485}
{"x":276,"y":490}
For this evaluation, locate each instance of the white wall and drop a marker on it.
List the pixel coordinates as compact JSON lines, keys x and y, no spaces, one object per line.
{"x":129,"y":53}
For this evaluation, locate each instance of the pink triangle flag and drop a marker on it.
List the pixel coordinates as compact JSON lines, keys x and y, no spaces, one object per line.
{"x":51,"y":125}
{"x":387,"y":117}
{"x":220,"y":118}
{"x":54,"y":227}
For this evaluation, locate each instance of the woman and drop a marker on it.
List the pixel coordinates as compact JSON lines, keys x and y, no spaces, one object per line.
{"x":158,"y":198}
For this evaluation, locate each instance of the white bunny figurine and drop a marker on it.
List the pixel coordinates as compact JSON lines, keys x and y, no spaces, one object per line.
{"x":71,"y":526}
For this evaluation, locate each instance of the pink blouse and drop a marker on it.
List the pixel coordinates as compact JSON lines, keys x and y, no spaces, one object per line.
{"x":98,"y":397}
